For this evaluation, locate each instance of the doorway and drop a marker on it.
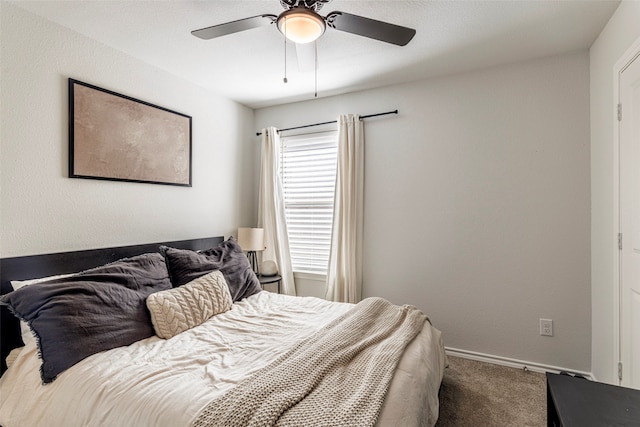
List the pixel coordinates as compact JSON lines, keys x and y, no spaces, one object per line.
{"x":629,"y":222}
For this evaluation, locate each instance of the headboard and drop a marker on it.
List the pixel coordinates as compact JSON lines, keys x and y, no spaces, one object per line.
{"x":34,"y":266}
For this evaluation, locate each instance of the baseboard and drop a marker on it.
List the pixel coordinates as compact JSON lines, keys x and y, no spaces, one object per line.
{"x":512,"y":363}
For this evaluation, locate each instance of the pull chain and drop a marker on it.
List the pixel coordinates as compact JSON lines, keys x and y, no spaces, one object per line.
{"x":285,"y":51}
{"x":315,"y":59}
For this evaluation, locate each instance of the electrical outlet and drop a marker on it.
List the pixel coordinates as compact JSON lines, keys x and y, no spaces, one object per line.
{"x":546,"y":327}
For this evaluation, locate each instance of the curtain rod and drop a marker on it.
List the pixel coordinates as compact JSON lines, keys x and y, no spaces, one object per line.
{"x":333,"y":121}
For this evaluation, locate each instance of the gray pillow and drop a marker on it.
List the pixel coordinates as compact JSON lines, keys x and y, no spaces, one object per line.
{"x":90,"y":312}
{"x":185,"y":266}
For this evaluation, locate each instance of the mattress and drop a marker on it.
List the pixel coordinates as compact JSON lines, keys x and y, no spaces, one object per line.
{"x":156,"y":382}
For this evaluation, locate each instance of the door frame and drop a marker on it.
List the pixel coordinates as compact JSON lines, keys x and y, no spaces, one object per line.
{"x":629,"y":56}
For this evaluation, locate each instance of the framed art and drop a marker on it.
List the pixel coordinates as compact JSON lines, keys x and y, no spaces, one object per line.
{"x":119,"y":138}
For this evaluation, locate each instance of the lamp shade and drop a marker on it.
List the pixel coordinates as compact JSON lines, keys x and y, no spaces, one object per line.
{"x":251,"y":239}
{"x":301,"y":25}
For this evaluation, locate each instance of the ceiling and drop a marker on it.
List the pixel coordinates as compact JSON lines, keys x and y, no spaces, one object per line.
{"x":248,"y":67}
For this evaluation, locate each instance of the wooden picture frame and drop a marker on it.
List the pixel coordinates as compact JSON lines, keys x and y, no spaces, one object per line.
{"x":118,"y":138}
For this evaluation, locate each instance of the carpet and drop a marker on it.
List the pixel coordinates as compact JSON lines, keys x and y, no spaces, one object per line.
{"x":483,"y":394}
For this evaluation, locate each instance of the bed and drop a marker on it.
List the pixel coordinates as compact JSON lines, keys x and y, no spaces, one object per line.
{"x":261,"y":359}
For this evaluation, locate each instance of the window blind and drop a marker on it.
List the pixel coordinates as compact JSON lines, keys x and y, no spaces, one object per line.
{"x":308,"y":167}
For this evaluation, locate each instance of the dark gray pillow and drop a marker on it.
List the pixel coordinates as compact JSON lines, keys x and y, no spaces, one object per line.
{"x":185,"y":266}
{"x":90,"y":312}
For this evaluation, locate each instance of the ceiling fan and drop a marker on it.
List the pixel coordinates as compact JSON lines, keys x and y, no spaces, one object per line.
{"x":301,"y":23}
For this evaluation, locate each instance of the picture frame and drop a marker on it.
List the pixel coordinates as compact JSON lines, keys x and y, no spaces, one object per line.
{"x":119,"y":138}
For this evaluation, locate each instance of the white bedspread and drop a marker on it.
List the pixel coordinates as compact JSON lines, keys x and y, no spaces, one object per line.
{"x":157,"y":382}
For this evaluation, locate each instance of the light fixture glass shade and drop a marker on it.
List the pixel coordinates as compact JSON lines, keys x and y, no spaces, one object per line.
{"x":251,"y":239}
{"x":301,"y":25}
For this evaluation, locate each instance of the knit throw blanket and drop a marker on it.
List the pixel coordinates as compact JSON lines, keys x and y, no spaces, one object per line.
{"x":338,"y":376}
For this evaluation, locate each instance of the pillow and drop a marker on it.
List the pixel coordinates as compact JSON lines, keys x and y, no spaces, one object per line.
{"x":17,"y":284}
{"x":12,"y":356}
{"x":178,"y":309}
{"x":90,"y":312}
{"x":25,"y":331}
{"x":185,"y":266}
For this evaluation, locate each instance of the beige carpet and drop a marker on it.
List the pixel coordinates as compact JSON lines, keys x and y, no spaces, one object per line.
{"x":483,"y":394}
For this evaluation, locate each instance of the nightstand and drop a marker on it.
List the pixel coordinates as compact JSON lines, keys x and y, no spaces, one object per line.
{"x":579,"y":402}
{"x":266,"y":280}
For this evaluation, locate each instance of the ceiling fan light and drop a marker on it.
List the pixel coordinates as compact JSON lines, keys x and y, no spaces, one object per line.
{"x":301,"y":25}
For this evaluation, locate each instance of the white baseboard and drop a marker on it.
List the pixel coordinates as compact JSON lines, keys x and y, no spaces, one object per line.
{"x":512,"y":363}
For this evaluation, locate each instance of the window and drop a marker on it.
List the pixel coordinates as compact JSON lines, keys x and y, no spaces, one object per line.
{"x":308,"y":166}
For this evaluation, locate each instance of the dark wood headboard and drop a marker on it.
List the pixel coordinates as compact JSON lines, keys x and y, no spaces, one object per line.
{"x":34,"y":266}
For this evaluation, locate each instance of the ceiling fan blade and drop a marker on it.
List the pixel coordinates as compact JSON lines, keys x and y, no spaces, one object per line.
{"x":383,"y":31}
{"x":306,"y":55}
{"x":234,"y":26}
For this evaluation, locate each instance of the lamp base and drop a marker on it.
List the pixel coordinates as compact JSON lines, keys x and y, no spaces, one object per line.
{"x":253,"y":261}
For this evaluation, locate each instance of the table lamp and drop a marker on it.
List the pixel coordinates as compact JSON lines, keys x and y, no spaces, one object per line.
{"x":252,"y":240}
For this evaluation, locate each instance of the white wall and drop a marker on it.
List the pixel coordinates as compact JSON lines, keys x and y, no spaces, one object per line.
{"x":620,"y":33}
{"x":477,"y":203}
{"x":43,"y":211}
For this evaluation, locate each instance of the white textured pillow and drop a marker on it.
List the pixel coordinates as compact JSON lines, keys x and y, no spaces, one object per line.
{"x":178,"y":309}
{"x":25,"y":330}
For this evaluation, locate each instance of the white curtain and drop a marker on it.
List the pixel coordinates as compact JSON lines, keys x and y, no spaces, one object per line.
{"x":271,"y":214}
{"x":344,"y":278}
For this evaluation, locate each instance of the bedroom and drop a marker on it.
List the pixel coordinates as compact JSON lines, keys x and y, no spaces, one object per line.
{"x":530,"y":222}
